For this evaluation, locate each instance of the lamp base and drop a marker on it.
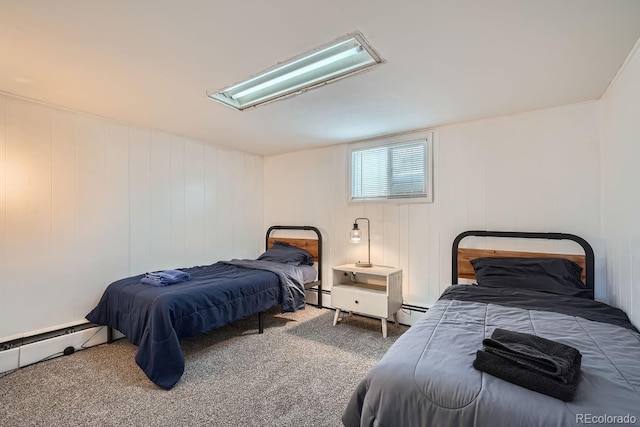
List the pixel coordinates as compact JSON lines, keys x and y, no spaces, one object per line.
{"x":363,"y":264}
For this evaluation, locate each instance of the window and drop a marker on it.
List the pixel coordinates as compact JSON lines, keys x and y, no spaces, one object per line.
{"x":399,"y":171}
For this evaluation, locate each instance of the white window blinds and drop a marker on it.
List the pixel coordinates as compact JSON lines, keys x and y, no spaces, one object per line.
{"x":390,"y":172}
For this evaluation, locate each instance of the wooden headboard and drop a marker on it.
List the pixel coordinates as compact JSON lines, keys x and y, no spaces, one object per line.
{"x":461,"y":257}
{"x":313,"y":246}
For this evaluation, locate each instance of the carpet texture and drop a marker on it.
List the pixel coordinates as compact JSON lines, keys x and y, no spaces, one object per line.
{"x":299,"y":372}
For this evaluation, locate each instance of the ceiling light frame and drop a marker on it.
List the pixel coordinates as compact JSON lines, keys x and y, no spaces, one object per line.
{"x":348,"y":55}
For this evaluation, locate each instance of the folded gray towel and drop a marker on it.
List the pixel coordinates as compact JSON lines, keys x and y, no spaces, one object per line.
{"x":533,"y":362}
{"x":538,"y":354}
{"x":517,"y":374}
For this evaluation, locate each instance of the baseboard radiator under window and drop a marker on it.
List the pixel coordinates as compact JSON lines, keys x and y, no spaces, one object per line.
{"x":27,"y":350}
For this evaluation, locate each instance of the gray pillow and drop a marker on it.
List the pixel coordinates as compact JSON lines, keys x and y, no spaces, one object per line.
{"x":287,"y":254}
{"x":555,"y":275}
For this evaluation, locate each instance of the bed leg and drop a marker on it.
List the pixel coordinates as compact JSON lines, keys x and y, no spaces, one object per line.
{"x":260,"y":328}
{"x":109,"y":334}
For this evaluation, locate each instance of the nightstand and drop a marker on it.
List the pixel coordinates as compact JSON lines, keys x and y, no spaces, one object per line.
{"x":373,"y":291}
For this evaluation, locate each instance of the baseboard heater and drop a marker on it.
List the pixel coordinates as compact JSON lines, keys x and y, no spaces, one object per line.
{"x":20,"y":352}
{"x":415,"y":308}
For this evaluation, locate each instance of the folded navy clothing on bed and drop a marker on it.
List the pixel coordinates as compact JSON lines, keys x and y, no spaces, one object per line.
{"x":538,"y":354}
{"x":519,"y":375}
{"x":165,"y":277}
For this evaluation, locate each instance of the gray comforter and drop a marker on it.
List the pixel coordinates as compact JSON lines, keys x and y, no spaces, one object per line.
{"x":427,"y":378}
{"x":291,"y":280}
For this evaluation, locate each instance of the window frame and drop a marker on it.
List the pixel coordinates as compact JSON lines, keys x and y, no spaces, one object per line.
{"x":426,"y":137}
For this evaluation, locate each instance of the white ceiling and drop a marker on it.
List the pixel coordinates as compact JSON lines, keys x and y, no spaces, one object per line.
{"x":150,"y":62}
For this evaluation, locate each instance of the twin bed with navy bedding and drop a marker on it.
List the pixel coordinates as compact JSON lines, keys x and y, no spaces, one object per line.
{"x":526,"y":345}
{"x":154,"y":315}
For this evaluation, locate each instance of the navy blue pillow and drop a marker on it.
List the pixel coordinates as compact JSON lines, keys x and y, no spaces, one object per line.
{"x":555,"y":275}
{"x":287,"y":254}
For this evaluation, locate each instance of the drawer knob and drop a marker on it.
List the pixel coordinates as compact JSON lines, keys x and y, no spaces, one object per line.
{"x":356,"y":301}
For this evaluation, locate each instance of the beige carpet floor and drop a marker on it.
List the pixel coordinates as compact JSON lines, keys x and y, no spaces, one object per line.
{"x":300,"y":372}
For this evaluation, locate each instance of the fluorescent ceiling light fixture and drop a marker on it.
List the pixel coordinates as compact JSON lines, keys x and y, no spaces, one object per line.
{"x":347,"y":56}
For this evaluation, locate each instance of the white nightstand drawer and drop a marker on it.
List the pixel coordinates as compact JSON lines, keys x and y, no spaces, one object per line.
{"x":353,"y":298}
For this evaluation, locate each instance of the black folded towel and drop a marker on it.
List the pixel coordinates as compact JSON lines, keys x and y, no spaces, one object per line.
{"x":535,"y":353}
{"x":533,"y":362}
{"x":519,"y":375}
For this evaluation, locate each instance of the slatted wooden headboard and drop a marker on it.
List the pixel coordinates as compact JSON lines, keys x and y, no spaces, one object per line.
{"x":461,"y":257}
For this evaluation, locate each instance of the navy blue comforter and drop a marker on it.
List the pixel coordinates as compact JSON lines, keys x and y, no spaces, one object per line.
{"x":155,"y":318}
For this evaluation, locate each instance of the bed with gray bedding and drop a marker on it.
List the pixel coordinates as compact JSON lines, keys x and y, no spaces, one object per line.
{"x":427,"y":377}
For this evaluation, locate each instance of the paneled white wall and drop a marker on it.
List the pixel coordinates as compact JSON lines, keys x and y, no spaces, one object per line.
{"x":621,"y":175}
{"x":85,"y":201}
{"x":529,"y":172}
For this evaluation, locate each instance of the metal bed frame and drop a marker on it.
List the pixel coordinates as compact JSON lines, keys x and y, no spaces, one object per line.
{"x":318,"y":282}
{"x":586,"y":247}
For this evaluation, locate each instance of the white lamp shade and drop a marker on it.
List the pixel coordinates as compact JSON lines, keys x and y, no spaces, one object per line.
{"x":356,"y":236}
